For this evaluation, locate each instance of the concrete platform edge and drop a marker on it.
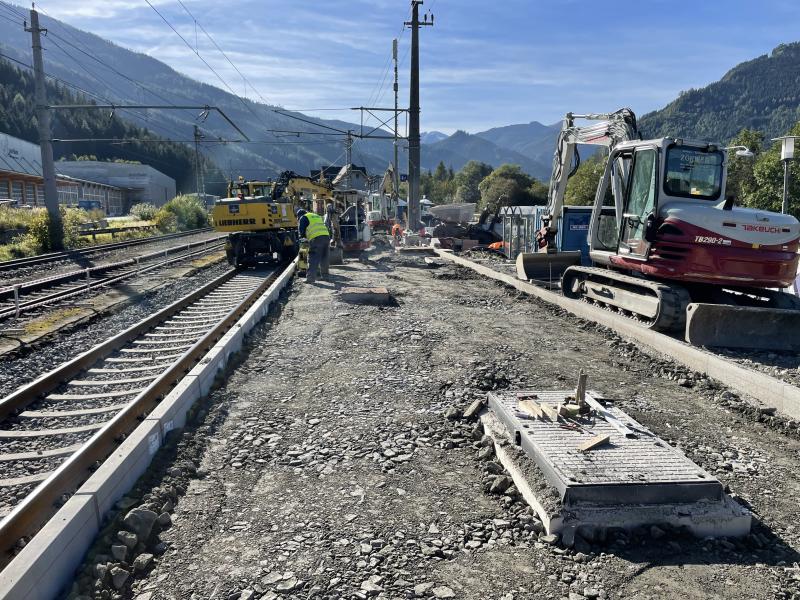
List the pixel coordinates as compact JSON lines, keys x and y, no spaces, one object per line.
{"x":47,"y":563}
{"x":770,"y":391}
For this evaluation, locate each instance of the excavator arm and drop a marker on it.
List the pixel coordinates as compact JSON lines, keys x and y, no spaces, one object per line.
{"x":609,"y":130}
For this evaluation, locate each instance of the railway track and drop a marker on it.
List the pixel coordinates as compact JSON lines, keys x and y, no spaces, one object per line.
{"x":30,"y":295}
{"x":52,"y":257}
{"x":55,"y":431}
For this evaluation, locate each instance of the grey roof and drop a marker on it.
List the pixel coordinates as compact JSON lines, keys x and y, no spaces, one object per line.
{"x":19,"y":156}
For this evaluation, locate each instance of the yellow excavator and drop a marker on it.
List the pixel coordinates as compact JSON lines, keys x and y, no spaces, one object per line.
{"x":259,"y":217}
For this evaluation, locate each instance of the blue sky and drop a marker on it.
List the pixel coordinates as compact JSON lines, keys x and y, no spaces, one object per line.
{"x":484,"y":64}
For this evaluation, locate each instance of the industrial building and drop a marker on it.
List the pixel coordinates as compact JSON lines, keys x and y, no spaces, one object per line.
{"x":142,"y":183}
{"x":111,"y":186}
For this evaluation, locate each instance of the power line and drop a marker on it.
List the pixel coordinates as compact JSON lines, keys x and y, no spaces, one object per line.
{"x":209,"y":142}
{"x":91,"y":74}
{"x":387,"y":67}
{"x":112,"y":69}
{"x":12,"y":20}
{"x":13,"y":9}
{"x":53,"y":77}
{"x":205,"y":62}
{"x":208,"y":35}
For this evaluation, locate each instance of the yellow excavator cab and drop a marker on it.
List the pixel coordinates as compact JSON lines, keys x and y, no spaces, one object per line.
{"x":252,"y":214}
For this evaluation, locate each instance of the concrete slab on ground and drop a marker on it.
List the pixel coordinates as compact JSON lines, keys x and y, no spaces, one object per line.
{"x":365,"y":295}
{"x":627,"y":481}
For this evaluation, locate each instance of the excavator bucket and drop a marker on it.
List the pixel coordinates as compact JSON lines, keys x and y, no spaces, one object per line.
{"x":728,"y":326}
{"x":546,"y":266}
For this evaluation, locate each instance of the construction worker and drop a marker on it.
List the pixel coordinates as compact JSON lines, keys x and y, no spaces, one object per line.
{"x":397,"y":232}
{"x":312,"y":228}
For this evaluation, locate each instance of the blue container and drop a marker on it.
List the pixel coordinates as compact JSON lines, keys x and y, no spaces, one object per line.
{"x":573,"y":233}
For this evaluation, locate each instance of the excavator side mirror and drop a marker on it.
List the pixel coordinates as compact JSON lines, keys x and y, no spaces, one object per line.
{"x":650,"y":228}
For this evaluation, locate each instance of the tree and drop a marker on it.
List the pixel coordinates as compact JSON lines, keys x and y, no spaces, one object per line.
{"x":508,"y":185}
{"x":441,"y":172}
{"x":438,"y":186}
{"x":766,"y":188}
{"x":741,"y":180}
{"x":582,"y":186}
{"x":468,"y":179}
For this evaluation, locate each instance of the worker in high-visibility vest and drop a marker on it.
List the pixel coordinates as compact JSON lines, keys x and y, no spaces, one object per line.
{"x":312,"y":228}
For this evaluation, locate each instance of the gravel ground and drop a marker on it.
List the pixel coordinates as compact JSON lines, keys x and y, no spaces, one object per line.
{"x":783,"y":365}
{"x":27,"y":363}
{"x":8,"y":278}
{"x":332,"y":463}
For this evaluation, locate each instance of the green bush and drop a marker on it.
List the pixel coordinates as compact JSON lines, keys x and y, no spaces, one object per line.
{"x":15,"y":218}
{"x":38,"y":235}
{"x":166,"y":221}
{"x":144,"y":211}
{"x":189,"y":213}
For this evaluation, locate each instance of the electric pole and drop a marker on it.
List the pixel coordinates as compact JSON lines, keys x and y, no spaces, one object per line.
{"x":348,"y":146}
{"x":395,"y":165}
{"x":198,"y":165}
{"x":413,"y":117}
{"x":45,"y":134}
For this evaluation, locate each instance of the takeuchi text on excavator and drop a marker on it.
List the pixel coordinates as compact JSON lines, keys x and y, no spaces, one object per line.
{"x":668,"y":247}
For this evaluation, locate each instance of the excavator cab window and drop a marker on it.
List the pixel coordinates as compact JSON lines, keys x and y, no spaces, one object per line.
{"x":693,"y":172}
{"x":608,"y":228}
{"x":639,"y":203}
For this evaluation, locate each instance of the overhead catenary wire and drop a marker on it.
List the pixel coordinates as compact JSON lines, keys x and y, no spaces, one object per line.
{"x":221,"y":51}
{"x":206,"y":63}
{"x":93,"y":75}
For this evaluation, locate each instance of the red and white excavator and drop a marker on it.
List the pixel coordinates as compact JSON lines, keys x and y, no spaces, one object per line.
{"x":668,"y":247}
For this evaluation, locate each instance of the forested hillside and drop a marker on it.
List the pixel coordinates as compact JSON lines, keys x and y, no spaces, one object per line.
{"x":18,"y":118}
{"x":761,"y":94}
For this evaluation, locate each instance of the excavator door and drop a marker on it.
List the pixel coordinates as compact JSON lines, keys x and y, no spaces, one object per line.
{"x":640,"y":204}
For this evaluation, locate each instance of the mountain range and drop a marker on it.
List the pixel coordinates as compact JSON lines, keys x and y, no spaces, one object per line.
{"x":122,"y":76}
{"x":763,"y":93}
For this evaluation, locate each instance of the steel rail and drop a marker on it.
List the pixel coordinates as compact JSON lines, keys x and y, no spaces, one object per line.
{"x":30,"y":261}
{"x":25,"y":305}
{"x":29,"y":515}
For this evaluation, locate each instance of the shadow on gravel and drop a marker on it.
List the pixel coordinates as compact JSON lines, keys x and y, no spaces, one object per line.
{"x":761,"y":546}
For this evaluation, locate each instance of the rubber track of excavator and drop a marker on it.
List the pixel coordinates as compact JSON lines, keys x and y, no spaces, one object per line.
{"x":672,"y":299}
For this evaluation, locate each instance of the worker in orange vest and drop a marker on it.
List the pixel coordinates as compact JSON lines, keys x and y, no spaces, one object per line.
{"x":397,"y":232}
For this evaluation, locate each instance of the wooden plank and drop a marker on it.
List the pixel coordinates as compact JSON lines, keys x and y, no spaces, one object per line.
{"x":580,"y":392}
{"x":594,"y":442}
{"x":550,"y":412}
{"x":530,"y":407}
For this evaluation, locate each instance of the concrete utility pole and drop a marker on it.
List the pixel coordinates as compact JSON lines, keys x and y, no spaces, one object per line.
{"x":200,"y":185}
{"x":45,"y":134}
{"x":413,"y":117}
{"x":396,"y":164}
{"x":348,"y":146}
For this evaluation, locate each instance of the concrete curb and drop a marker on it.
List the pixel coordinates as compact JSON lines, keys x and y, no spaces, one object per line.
{"x":771,"y":391}
{"x":48,"y":562}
